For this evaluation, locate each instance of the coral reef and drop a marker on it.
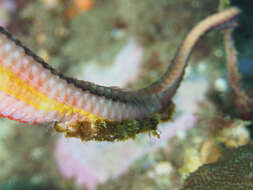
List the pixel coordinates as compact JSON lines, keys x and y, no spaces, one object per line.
{"x":72,"y":37}
{"x":233,"y":171}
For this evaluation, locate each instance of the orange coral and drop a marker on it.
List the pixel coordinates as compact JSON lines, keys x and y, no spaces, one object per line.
{"x":83,"y":5}
{"x":79,"y":5}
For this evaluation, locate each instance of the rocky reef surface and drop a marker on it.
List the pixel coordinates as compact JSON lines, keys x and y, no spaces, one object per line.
{"x":97,"y":40}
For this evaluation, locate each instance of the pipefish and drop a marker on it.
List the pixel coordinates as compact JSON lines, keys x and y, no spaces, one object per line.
{"x":33,"y":92}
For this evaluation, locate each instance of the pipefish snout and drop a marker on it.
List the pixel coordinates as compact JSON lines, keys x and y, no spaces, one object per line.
{"x":32,"y":92}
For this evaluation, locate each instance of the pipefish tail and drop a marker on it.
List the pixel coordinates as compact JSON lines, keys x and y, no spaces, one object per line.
{"x":33,"y":92}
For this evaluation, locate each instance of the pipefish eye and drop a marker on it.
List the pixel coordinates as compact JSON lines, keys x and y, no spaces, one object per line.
{"x":37,"y":93}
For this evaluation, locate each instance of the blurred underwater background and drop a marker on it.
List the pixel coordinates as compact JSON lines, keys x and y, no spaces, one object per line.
{"x":130,"y":43}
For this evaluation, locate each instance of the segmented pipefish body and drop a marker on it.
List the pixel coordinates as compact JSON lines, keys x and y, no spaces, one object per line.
{"x":33,"y":92}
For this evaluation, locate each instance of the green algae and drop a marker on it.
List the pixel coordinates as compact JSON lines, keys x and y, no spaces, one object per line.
{"x":104,"y":130}
{"x":224,"y":4}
